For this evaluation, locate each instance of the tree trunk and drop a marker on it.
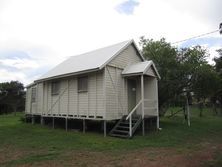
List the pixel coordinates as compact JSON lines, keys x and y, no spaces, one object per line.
{"x":214,"y":109}
{"x":201,"y":108}
{"x":185,"y":113}
{"x":15,"y":110}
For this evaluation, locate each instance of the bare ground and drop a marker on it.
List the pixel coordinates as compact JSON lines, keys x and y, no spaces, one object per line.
{"x":150,"y":157}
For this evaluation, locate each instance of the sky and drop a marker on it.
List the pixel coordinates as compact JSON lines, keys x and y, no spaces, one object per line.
{"x":36,"y":35}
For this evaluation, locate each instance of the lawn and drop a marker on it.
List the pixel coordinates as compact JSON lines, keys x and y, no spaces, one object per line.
{"x":23,"y":144}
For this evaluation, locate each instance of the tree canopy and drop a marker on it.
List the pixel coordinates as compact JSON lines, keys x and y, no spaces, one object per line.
{"x":181,"y":70}
{"x":12,"y":96}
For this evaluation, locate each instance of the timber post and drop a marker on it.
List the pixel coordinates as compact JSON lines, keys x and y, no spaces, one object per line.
{"x":66,"y":124}
{"x":33,"y":119}
{"x":104,"y":128}
{"x":84,"y":125}
{"x":42,"y":120}
{"x":53,"y":122}
{"x":142,"y":98}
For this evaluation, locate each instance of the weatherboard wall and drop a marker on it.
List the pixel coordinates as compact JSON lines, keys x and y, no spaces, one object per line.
{"x":106,"y":97}
{"x":28,"y":101}
{"x":116,"y":84}
{"x":151,"y":93}
{"x":126,"y":57}
{"x":69,"y":102}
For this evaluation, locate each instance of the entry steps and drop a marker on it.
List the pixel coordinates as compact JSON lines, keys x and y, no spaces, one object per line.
{"x":121,"y":129}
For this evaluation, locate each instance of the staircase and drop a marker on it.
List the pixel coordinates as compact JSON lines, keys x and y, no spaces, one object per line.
{"x":122,"y":127}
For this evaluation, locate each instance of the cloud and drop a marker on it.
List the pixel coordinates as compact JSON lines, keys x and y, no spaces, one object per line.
{"x":127,"y":7}
{"x":208,"y":11}
{"x":13,"y":54}
{"x":18,"y":65}
{"x":43,"y":33}
{"x":8,"y":76}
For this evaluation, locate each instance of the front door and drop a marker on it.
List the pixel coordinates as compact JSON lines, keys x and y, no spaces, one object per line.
{"x":131,"y":94}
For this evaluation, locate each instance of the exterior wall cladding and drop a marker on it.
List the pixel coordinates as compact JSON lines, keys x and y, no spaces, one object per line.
{"x":105,"y":98}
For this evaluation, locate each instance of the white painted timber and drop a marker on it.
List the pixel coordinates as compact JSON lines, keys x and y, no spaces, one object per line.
{"x":127,"y":57}
{"x":106,"y":98}
{"x":69,"y":102}
{"x":150,"y":96}
{"x":146,"y":67}
{"x":115,"y":94}
{"x":28,"y":100}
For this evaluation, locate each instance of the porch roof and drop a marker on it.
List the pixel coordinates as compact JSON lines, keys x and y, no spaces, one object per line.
{"x":141,"y":68}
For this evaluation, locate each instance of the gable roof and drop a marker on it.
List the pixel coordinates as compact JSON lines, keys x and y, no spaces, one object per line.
{"x":90,"y":61}
{"x":140,"y":68}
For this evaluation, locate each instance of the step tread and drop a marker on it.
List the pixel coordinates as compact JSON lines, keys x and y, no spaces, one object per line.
{"x":125,"y":127}
{"x":118,"y":135}
{"x":127,"y":123}
{"x":122,"y":131}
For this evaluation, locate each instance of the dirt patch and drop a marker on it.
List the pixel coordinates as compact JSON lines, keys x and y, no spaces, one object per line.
{"x":146,"y":157}
{"x":150,"y":157}
{"x":11,"y":156}
{"x":8,"y":153}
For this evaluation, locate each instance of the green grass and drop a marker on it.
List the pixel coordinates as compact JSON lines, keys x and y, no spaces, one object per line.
{"x":49,"y":143}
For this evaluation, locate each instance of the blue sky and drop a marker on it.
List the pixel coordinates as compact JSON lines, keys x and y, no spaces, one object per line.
{"x":209,"y":41}
{"x":36,"y":35}
{"x":127,"y":7}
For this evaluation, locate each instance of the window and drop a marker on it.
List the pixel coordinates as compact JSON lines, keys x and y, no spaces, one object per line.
{"x":82,"y":84}
{"x":55,"y":88}
{"x":33,"y":95}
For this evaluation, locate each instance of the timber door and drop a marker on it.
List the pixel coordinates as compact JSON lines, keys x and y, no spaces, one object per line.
{"x":131,"y":94}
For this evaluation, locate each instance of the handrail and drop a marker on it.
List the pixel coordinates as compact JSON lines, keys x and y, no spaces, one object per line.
{"x":57,"y":99}
{"x":134,"y":109}
{"x":129,"y":116}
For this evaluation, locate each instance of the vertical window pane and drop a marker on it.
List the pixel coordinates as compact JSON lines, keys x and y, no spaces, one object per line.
{"x":33,"y":95}
{"x":55,"y":88}
{"x":82,"y":84}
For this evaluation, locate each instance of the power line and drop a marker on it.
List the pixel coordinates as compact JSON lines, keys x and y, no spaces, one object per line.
{"x":195,"y":37}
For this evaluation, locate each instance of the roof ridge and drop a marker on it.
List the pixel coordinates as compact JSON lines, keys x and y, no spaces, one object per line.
{"x":94,"y":50}
{"x":95,"y":59}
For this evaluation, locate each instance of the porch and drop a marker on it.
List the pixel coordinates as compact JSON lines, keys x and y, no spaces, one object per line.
{"x":142,"y":93}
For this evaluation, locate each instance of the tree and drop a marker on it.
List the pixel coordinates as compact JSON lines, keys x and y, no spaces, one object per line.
{"x":205,"y":85}
{"x":12,"y":95}
{"x":218,"y":69}
{"x":164,"y":57}
{"x":182,"y":71}
{"x":218,"y":63}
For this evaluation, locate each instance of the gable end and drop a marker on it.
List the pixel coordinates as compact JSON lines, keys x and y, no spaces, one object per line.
{"x":129,"y":55}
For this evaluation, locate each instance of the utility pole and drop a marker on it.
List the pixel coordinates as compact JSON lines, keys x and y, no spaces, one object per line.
{"x":220,"y":28}
{"x":188,"y":111}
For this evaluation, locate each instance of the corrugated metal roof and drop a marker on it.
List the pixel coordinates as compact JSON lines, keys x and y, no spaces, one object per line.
{"x":140,"y":68}
{"x":93,"y":60}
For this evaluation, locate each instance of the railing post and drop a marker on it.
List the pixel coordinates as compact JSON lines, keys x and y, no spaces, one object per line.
{"x":142,"y":97}
{"x":130,"y":125}
{"x":157,"y":106}
{"x":142,"y":94}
